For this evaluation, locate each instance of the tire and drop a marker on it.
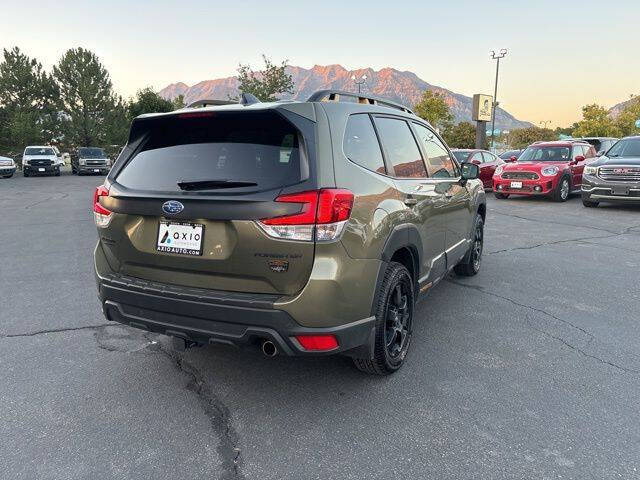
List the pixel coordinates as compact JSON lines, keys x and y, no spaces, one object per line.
{"x":25,"y":174}
{"x":501,"y":196}
{"x":563,"y":190}
{"x":590,"y":204}
{"x":394,"y":319}
{"x":73,"y":171}
{"x":470,"y":264}
{"x":8,"y":176}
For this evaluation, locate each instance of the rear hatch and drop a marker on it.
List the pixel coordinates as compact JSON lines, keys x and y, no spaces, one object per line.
{"x":188,"y":189}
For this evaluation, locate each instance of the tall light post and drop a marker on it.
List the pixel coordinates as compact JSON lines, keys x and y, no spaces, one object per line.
{"x":544,"y":123}
{"x":360,"y":82}
{"x":497,"y":57}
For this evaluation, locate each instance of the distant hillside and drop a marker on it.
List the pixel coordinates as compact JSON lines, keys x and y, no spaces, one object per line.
{"x":403,"y":87}
{"x":616,"y":109}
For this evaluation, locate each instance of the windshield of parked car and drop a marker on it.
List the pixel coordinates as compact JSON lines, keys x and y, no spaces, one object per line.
{"x":461,"y":155}
{"x":628,"y":147}
{"x":86,"y":152}
{"x":545,"y":154}
{"x":39,"y":151}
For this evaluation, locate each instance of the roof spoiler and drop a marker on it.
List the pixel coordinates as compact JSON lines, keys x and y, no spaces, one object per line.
{"x":245,"y":99}
{"x":338,"y":95}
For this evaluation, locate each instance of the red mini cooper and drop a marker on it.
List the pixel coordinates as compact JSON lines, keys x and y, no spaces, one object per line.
{"x":544,"y":168}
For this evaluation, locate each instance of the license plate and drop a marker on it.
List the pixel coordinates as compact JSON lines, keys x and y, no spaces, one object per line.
{"x":516,"y":184}
{"x":41,"y":169}
{"x":184,"y":238}
{"x":620,"y":191}
{"x":96,"y":170}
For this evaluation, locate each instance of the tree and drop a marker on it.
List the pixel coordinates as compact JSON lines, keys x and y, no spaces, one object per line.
{"x":178,"y":102}
{"x":148,"y":101}
{"x":86,"y":96}
{"x":626,"y":121}
{"x":595,"y":122}
{"x":265,"y":84}
{"x":523,"y":137}
{"x":433,"y":108}
{"x":462,"y":135}
{"x":28,"y":99}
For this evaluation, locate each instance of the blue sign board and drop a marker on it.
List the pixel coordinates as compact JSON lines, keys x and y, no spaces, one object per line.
{"x":638,"y":123}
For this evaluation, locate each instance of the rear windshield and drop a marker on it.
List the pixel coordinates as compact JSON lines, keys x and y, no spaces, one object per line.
{"x":39,"y":151}
{"x":91,"y":153}
{"x":461,"y":155}
{"x":260,"y":148}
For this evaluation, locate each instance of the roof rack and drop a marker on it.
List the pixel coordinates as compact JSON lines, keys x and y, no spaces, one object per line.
{"x":338,"y":95}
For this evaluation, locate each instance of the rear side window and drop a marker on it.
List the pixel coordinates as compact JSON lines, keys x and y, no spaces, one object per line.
{"x":361,"y":145}
{"x":251,"y":147}
{"x":401,"y":148}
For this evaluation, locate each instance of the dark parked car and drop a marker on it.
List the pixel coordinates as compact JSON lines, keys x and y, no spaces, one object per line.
{"x":509,"y":154}
{"x":601,"y":144}
{"x":301,"y":228}
{"x":88,"y":160}
{"x":486,"y":161}
{"x":615,"y":176}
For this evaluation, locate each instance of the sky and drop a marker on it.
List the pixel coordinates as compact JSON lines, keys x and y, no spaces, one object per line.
{"x":561,"y":54}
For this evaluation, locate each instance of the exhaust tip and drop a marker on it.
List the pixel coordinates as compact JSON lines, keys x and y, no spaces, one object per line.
{"x":269,"y":348}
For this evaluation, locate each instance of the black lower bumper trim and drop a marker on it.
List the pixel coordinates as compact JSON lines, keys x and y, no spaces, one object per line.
{"x":232,"y":323}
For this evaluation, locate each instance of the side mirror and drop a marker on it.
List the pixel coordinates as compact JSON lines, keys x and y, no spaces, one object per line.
{"x":578,"y":159}
{"x":511,"y":159}
{"x":600,"y":153}
{"x":475,"y":162}
{"x":469,"y":171}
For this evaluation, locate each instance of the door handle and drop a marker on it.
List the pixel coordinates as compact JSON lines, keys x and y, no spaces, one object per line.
{"x":410,"y":201}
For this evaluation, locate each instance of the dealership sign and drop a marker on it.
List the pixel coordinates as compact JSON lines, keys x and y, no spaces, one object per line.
{"x":482,"y":108}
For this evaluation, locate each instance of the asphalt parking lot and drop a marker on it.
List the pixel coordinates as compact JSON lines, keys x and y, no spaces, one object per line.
{"x":529,"y":370}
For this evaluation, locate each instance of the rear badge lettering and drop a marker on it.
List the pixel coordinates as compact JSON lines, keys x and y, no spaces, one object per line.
{"x":279,"y":266}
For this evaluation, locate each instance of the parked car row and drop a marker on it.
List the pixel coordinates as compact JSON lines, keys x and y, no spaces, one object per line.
{"x":559,"y":168}
{"x":47,"y":160}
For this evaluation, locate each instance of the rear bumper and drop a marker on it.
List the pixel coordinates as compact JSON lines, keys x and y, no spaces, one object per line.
{"x":93,"y":169}
{"x":206,"y":316}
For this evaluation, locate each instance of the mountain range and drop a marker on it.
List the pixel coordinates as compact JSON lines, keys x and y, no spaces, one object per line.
{"x":403,"y":87}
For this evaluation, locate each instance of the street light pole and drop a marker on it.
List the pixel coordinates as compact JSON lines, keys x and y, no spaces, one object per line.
{"x":360,"y":82}
{"x":497,"y":57}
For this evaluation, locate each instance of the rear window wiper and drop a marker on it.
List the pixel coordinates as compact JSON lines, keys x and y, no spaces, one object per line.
{"x":213,"y":184}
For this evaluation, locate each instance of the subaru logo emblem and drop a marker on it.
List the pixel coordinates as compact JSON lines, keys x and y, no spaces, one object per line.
{"x":172,"y":207}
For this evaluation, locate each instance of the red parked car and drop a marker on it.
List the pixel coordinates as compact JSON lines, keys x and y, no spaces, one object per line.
{"x":487,"y":161}
{"x":544,"y":168}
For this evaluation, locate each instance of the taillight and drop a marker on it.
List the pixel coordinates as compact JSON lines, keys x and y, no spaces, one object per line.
{"x":317,"y":343}
{"x":102,"y":215}
{"x":323,"y":216}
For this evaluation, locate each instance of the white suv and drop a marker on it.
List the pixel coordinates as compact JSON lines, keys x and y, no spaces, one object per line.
{"x":40,"y":160}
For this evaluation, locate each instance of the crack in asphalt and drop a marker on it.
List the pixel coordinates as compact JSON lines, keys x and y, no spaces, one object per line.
{"x":555,"y":242}
{"x":216,"y":411}
{"x":544,"y":332}
{"x":564,"y":224}
{"x":55,"y":330}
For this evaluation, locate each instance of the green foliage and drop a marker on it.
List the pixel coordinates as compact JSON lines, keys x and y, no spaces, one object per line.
{"x":433,"y":108}
{"x":523,"y":137}
{"x":595,"y":122}
{"x":265,"y":84}
{"x":462,"y":135}
{"x":86,"y":97}
{"x":148,"y":101}
{"x":627,"y":118}
{"x":27,"y":102}
{"x":178,"y":102}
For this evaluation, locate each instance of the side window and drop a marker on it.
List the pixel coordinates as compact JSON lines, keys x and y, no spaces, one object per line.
{"x":439,"y":163}
{"x":489,"y":157}
{"x":361,"y":145}
{"x":477,"y":157}
{"x":577,"y":150}
{"x":401,"y":148}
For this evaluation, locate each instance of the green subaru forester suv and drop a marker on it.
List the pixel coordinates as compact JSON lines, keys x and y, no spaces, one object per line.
{"x":299,"y":228}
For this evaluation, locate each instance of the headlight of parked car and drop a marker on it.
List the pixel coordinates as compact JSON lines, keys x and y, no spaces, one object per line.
{"x":590,"y":170}
{"x":82,"y":162}
{"x":25,"y":162}
{"x":550,"y":171}
{"x":499,"y":170}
